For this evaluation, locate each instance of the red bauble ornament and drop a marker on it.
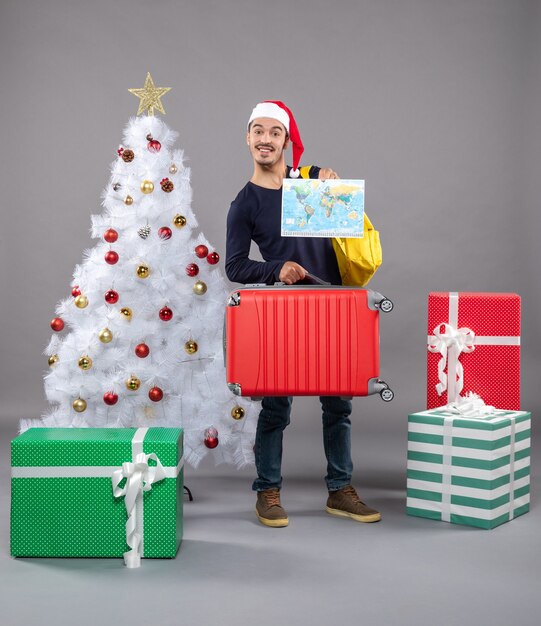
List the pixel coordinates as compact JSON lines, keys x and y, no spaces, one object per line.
{"x":211,"y":437}
{"x":201,"y":251}
{"x":142,"y":350}
{"x":192,"y":269}
{"x":155,"y":394}
{"x":57,"y":324}
{"x":165,"y":232}
{"x":110,"y":398}
{"x":76,"y":291}
{"x":111,"y":296}
{"x":213,"y":258}
{"x":110,"y":235}
{"x":166,"y":314}
{"x":154,"y":145}
{"x":111,"y":257}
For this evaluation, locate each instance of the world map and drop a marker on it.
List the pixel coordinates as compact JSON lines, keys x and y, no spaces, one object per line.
{"x":322,"y":208}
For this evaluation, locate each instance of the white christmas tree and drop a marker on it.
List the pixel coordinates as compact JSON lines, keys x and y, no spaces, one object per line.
{"x":139,"y":342}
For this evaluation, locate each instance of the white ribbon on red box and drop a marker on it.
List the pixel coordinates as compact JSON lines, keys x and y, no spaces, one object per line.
{"x":450,"y":342}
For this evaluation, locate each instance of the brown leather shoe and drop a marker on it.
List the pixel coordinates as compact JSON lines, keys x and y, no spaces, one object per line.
{"x":346,"y":503}
{"x":268,"y":509}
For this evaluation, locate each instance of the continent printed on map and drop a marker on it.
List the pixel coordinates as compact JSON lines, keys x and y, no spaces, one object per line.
{"x":302,"y":192}
{"x":344,"y":194}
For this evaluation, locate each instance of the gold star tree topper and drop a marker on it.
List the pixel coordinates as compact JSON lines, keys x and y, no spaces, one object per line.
{"x":150,"y":96}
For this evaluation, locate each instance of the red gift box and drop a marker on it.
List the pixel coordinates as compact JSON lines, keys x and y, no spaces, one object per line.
{"x":474,"y":345}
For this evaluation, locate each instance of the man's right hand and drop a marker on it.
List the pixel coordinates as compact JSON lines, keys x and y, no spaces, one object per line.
{"x":325,"y":173}
{"x":291,"y":272}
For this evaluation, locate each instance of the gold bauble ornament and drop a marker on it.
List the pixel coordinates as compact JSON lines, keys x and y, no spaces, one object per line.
{"x":200,"y":288}
{"x":173,"y":169}
{"x":79,"y":405}
{"x":126,"y":312}
{"x":85,"y":362}
{"x":133,"y":383}
{"x":128,"y":200}
{"x":143,"y":271}
{"x":53,"y":359}
{"x":237,"y":412}
{"x":147,"y":186}
{"x":105,"y":335}
{"x":191,"y":346}
{"x":81,"y":301}
{"x":179,"y":221}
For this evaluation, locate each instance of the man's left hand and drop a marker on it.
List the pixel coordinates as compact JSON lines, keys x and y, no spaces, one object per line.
{"x":326,"y":172}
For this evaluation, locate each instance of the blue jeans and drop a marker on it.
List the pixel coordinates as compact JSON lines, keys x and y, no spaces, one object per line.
{"x":275,"y":416}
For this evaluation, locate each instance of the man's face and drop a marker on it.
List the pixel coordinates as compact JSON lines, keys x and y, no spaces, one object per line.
{"x":267,"y":139}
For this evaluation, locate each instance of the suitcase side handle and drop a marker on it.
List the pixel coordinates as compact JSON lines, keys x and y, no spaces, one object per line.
{"x":315,"y":280}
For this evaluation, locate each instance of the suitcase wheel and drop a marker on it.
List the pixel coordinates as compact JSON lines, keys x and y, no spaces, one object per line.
{"x":386,"y":394}
{"x":385,"y":305}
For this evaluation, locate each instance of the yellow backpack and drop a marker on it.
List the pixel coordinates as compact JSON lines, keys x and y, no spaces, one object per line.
{"x":358,"y":258}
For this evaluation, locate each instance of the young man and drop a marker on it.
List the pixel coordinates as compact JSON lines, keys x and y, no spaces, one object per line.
{"x":255,"y":214}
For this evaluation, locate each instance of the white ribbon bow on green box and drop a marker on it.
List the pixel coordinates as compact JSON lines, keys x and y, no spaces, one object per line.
{"x":140,"y":476}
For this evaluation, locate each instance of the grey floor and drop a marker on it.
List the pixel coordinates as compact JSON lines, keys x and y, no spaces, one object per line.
{"x":320,"y":570}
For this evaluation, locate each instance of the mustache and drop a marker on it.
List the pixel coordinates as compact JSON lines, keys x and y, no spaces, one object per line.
{"x":263,"y":145}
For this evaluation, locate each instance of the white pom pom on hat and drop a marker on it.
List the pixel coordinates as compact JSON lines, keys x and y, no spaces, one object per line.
{"x":278,"y":111}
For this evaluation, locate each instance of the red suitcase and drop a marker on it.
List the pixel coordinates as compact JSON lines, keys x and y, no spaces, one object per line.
{"x":304,"y":340}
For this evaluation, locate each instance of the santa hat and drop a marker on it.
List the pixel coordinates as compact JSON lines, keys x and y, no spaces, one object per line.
{"x":278,"y":111}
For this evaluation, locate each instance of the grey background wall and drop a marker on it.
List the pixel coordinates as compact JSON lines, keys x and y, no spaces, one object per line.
{"x":435,"y":103}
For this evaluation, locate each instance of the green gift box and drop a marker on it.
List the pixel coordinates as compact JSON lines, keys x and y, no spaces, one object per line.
{"x":468,"y":470}
{"x":94,"y":492}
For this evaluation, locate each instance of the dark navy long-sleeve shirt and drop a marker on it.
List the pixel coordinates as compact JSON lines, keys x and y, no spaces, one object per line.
{"x":255,"y":214}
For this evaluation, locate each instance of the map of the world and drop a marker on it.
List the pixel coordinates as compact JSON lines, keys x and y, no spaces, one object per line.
{"x":322,"y":208}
